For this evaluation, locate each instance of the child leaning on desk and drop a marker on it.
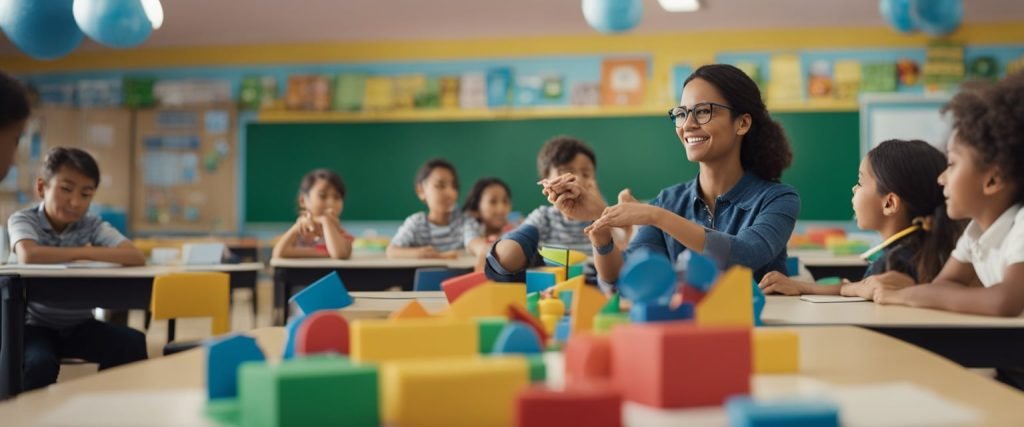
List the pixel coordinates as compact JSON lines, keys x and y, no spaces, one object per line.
{"x":60,"y":230}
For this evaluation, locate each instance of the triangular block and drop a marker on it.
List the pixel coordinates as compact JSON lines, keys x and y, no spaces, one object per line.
{"x":562,"y":256}
{"x":412,"y":310}
{"x":613,"y":304}
{"x":587,"y":301}
{"x":489,"y":299}
{"x":456,"y":286}
{"x":325,"y":331}
{"x":223,"y":357}
{"x":730,"y":301}
{"x":328,"y":293}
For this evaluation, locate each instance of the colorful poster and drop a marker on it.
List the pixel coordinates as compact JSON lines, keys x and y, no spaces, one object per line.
{"x":786,"y":79}
{"x":623,"y":81}
{"x":499,"y":87}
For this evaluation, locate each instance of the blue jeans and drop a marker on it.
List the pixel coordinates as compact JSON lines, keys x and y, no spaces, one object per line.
{"x":107,"y":344}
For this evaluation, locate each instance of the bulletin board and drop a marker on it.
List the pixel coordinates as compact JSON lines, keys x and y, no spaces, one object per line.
{"x":185,"y":170}
{"x":903,"y":116}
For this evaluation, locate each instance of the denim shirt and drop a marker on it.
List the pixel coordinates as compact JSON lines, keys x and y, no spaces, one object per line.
{"x":751,"y":224}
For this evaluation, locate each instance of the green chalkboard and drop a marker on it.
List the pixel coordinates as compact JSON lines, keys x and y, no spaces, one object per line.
{"x":378,"y":160}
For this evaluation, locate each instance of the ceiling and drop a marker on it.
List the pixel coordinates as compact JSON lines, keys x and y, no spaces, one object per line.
{"x":230,"y":22}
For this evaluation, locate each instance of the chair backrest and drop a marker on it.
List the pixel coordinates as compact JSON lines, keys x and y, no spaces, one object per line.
{"x":193,"y":294}
{"x":429,"y":279}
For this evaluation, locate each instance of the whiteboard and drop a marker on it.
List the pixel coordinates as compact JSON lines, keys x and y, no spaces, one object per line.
{"x":903,"y":116}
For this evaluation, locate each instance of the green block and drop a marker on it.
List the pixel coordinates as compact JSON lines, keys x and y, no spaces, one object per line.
{"x":489,"y":328}
{"x":603,"y":322}
{"x":575,"y":270}
{"x":533,"y":303}
{"x":538,"y":370}
{"x":223,"y":411}
{"x":612,"y":306}
{"x":832,"y":280}
{"x":322,"y":390}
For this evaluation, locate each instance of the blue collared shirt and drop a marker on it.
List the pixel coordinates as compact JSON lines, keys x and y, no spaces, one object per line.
{"x":751,"y":224}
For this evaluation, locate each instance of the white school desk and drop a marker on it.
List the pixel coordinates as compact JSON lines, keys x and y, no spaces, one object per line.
{"x":835,"y":356}
{"x":822,"y":263}
{"x":115,"y":288}
{"x":363,"y":272}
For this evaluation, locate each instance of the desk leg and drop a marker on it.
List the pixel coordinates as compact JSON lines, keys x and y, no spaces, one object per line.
{"x":12,"y":343}
{"x":278,"y":311}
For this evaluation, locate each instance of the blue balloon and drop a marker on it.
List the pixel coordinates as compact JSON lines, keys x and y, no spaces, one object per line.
{"x":613,"y":16}
{"x":115,"y":23}
{"x":938,"y":17}
{"x":898,"y":14}
{"x":41,"y":29}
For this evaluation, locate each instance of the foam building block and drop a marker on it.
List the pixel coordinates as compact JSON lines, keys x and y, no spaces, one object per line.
{"x":576,"y":270}
{"x":566,"y":297}
{"x":604,"y":322}
{"x":291,"y":336}
{"x":538,"y":369}
{"x":412,"y":310}
{"x":562,"y":256}
{"x":746,"y":412}
{"x":569,"y":284}
{"x":776,"y":351}
{"x":488,"y":329}
{"x":518,"y":314}
{"x":223,"y":357}
{"x":453,"y":288}
{"x":488,"y":299}
{"x":691,"y":294}
{"x":539,"y":280}
{"x":452,"y":392}
{"x":587,"y":301}
{"x":550,"y":322}
{"x":381,"y":340}
{"x":759,"y":301}
{"x":309,"y":391}
{"x":588,"y":358}
{"x":647,"y":278}
{"x":322,"y":332}
{"x":563,"y":329}
{"x":613,"y":304}
{"x":792,"y":266}
{"x":580,"y":406}
{"x":328,"y":293}
{"x":645,"y":312}
{"x":559,"y":272}
{"x":517,"y":337}
{"x":679,"y":365}
{"x":701,"y":271}
{"x":533,"y":303}
{"x":729,"y":302}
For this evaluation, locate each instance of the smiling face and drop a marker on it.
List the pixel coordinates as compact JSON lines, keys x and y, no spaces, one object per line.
{"x":719,"y":138}
{"x":322,"y":199}
{"x":66,"y":196}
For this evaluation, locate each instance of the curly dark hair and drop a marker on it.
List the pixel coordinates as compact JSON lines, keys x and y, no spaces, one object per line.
{"x":765,"y":150}
{"x":561,"y":150}
{"x":989,"y":117}
{"x":476,"y":194}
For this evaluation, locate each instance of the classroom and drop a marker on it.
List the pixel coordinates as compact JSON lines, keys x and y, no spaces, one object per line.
{"x":534,"y":213}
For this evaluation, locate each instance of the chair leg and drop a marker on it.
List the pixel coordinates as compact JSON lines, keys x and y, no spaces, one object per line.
{"x":170,"y":330}
{"x":146,"y":320}
{"x":255,"y":305}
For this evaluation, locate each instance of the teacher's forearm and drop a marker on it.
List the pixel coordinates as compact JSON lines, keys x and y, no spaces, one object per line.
{"x":683,"y":230}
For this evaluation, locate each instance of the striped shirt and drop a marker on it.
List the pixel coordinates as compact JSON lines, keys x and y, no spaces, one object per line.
{"x":418,"y":231}
{"x":32,"y":224}
{"x":557,"y":230}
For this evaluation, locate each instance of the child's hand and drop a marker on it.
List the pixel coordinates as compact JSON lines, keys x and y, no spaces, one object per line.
{"x":890,"y":279}
{"x":888,"y":295}
{"x":307,"y":226}
{"x":778,"y":283}
{"x":428,"y":252}
{"x":575,"y":200}
{"x":450,"y":254}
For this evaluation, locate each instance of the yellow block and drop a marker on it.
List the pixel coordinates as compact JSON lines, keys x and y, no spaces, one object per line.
{"x":559,"y":272}
{"x":553,"y":306}
{"x":570,"y":285}
{"x":382,"y":340}
{"x":587,"y":301}
{"x":550,"y":321}
{"x":730,"y":301}
{"x":776,"y":352}
{"x":488,"y":299}
{"x":411,"y":310}
{"x":452,"y":392}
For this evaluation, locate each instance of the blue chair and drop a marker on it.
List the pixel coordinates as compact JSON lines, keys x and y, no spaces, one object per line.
{"x":429,"y":279}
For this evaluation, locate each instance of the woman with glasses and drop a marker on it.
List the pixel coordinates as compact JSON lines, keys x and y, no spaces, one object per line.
{"x":734,"y":211}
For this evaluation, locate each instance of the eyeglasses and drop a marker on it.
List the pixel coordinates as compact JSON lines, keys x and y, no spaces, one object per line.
{"x":702,"y":113}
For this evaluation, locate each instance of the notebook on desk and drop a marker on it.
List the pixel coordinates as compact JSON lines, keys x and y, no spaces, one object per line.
{"x":62,"y":266}
{"x":830,"y":298}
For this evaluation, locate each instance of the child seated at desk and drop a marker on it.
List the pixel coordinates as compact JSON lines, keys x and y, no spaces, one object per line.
{"x":897,"y":194}
{"x":439,"y":232}
{"x":60,"y":230}
{"x":486,"y":208}
{"x":317,"y":233}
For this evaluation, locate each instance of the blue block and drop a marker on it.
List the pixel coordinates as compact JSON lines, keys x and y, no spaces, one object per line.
{"x":429,"y":279}
{"x":645,"y":313}
{"x":562,"y":330}
{"x":701,"y":272}
{"x":792,"y":266}
{"x":758,"y":304}
{"x":537,"y":280}
{"x":746,"y":412}
{"x":566,"y":297}
{"x":647,"y":278}
{"x":328,"y":293}
{"x":517,"y":338}
{"x":223,"y":357}
{"x":291,"y":330}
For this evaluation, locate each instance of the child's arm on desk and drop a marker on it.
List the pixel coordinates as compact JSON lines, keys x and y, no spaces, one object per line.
{"x":778,"y":283}
{"x":951,"y":290}
{"x":416,"y":252}
{"x":339,"y":243}
{"x":30,"y":252}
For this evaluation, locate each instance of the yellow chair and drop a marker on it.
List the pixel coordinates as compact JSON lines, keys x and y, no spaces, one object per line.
{"x":192,"y":294}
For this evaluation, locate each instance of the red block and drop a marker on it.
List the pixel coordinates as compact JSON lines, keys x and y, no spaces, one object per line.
{"x":678,"y":365}
{"x":519,"y":314}
{"x":688,"y":294}
{"x":322,"y":332}
{"x":457,"y":285}
{"x":591,"y":406}
{"x":588,"y":358}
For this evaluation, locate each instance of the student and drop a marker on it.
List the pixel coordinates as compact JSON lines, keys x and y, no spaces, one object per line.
{"x":735,"y":211}
{"x":486,"y":209}
{"x":317,"y":233}
{"x":14,"y":111}
{"x":437,"y":233}
{"x":898,"y":196}
{"x":984,"y":182}
{"x":59,"y":230}
{"x":510,"y":256}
